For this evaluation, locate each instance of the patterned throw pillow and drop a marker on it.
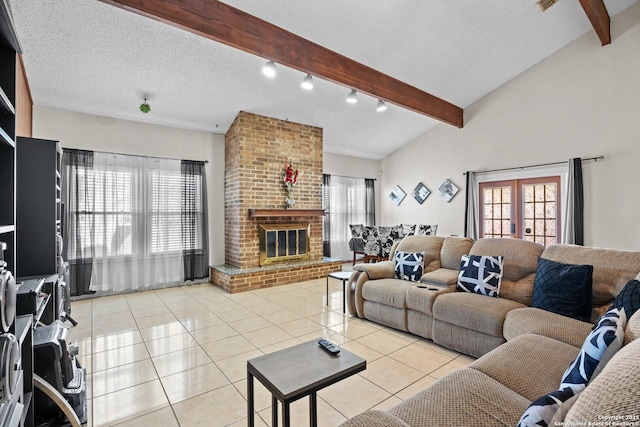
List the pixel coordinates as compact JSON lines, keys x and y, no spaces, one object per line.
{"x":563,"y":289}
{"x":480,"y":274}
{"x":409,"y":265}
{"x":426,"y":230}
{"x":542,"y":410}
{"x":598,"y":348}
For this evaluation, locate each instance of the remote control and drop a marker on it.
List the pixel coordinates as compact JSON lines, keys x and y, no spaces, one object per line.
{"x":329,"y":346}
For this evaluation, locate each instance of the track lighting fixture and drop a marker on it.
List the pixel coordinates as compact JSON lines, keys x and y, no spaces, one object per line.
{"x":381,"y":106}
{"x":269,"y":69}
{"x":307,"y":82}
{"x":352,"y":98}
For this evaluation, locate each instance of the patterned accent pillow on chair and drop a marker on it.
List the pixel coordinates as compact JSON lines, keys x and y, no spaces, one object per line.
{"x":426,"y":230}
{"x":408,"y":229}
{"x":386,"y":241}
{"x":356,"y":230}
{"x":599,"y":347}
{"x":408,"y":265}
{"x":480,"y":274}
{"x":371,"y":241}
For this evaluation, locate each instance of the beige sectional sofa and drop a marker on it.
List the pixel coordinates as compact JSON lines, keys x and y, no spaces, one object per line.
{"x":496,"y":389}
{"x":523,"y":351}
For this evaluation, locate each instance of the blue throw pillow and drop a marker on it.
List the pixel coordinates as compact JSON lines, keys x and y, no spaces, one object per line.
{"x":628,"y":298}
{"x":480,"y":274}
{"x":563,"y":289}
{"x":409,"y":265}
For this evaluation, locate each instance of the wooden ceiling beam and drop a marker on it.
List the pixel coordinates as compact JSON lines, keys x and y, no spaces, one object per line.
{"x":225,"y":24}
{"x":597,"y":13}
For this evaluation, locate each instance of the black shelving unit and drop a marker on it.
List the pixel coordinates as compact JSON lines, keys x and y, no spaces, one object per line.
{"x":38,"y":196}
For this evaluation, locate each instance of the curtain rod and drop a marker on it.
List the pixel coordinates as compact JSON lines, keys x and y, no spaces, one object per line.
{"x":136,"y":155}
{"x":595,"y":159}
{"x":345,"y":176}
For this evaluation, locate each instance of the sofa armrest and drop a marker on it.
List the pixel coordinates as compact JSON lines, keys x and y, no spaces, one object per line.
{"x":362,"y":274}
{"x":378,"y":270}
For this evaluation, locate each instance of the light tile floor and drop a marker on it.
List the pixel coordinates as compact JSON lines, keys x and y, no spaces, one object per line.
{"x":177,"y":356}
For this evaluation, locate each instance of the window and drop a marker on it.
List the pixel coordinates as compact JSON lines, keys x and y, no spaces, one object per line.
{"x":526,"y":209}
{"x":133,"y":221}
{"x":345,"y":201}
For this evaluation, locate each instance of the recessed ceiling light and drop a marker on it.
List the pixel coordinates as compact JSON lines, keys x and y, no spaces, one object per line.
{"x":269,"y":69}
{"x":381,"y":106}
{"x":352,"y":98}
{"x":307,"y":82}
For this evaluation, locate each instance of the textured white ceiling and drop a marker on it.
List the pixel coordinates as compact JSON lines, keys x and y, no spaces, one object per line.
{"x":84,"y":55}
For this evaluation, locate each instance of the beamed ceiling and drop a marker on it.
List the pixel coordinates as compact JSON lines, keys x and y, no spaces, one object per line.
{"x":198,"y":61}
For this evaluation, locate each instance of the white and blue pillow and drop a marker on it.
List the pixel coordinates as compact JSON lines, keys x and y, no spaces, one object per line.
{"x":480,"y":274}
{"x":409,"y":265}
{"x":601,"y":344}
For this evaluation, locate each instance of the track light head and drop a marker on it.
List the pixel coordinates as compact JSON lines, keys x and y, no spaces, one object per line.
{"x":352,"y":98}
{"x":269,"y":69}
{"x":307,"y":82}
{"x":381,"y":106}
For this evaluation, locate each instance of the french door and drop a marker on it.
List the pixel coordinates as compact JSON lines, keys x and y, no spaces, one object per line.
{"x":526,"y":209}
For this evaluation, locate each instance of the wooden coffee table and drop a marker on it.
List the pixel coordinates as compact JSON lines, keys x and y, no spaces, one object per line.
{"x":296,"y":372}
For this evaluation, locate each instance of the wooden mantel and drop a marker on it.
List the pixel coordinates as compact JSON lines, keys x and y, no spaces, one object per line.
{"x":264,"y":213}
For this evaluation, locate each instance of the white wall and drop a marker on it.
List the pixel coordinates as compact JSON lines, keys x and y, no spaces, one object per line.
{"x":89,"y":132}
{"x":583,"y":101}
{"x":337,"y":164}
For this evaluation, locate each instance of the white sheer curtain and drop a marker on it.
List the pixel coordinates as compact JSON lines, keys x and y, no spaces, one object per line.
{"x":348,"y":205}
{"x":137,"y":231}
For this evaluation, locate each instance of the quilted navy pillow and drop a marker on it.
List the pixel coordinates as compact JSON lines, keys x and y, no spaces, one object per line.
{"x":628,"y":298}
{"x":563,"y":289}
{"x":600,"y":346}
{"x":409,"y":265}
{"x":480,"y":274}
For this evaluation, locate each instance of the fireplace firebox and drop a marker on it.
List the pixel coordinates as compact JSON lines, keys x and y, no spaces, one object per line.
{"x":283,"y":243}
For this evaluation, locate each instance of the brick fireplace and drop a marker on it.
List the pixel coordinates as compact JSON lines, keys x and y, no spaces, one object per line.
{"x":256,"y":148}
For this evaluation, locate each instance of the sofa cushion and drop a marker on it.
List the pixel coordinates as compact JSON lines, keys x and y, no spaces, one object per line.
{"x":629,"y":298}
{"x":607,"y":334}
{"x":408,"y":265}
{"x":480,"y":274}
{"x":520,"y":263}
{"x":374,"y":418}
{"x":530,"y":365}
{"x":473,"y":311}
{"x":612,"y":269}
{"x":563,"y":289}
{"x":461,"y":398}
{"x":452,"y":250}
{"x":422,"y":298}
{"x":387,"y":291}
{"x":430,"y":245}
{"x":632,"y":330}
{"x":620,"y":380}
{"x":529,"y":320}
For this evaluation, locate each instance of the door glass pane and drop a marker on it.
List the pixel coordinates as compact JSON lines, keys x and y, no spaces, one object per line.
{"x":496,"y":211}
{"x":540,"y":215}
